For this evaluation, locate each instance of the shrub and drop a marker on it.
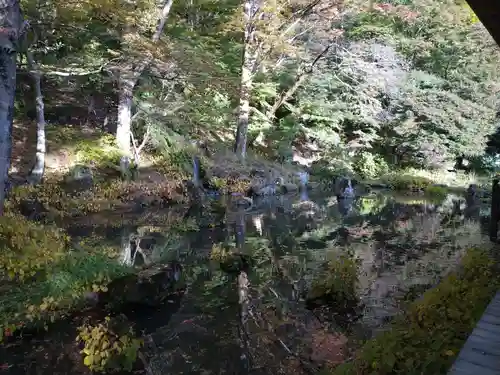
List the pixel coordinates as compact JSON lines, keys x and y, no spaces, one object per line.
{"x":427,"y":338}
{"x":369,"y":166}
{"x":337,"y":284}
{"x":437,"y":192}
{"x":27,"y":247}
{"x":408,"y":182}
{"x":108,"y":346}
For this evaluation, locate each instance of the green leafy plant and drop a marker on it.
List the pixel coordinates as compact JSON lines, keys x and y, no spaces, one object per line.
{"x":436,"y":192}
{"x":337,"y":283}
{"x":107,"y":346}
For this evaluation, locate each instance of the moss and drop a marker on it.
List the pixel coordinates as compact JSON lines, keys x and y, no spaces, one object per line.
{"x":428,"y":337}
{"x":101,"y":153}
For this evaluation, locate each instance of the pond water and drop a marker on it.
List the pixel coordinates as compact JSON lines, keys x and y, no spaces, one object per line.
{"x":402,"y":245}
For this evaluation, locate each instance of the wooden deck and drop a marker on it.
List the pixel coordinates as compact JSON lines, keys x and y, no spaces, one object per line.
{"x":481,"y":352}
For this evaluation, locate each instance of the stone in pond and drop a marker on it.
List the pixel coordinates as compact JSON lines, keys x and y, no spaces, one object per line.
{"x":150,"y":286}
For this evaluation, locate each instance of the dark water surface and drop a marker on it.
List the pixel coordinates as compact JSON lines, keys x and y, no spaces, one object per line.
{"x":403,"y":246}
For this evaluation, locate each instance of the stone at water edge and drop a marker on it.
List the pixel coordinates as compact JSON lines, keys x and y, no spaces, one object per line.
{"x":148,"y":287}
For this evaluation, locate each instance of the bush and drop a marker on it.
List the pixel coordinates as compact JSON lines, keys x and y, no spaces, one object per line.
{"x":428,"y":337}
{"x":108,"y":346}
{"x":42,"y":278}
{"x":337,"y":284}
{"x":28,"y":248}
{"x":407,"y":182}
{"x":437,"y":192}
{"x":369,"y":166}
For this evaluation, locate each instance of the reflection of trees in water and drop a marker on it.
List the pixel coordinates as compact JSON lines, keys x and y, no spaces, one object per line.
{"x":389,"y":237}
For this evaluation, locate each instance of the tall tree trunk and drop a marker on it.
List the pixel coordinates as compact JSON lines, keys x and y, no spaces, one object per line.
{"x":240,"y":146}
{"x":11,"y":23}
{"x":124,"y":120}
{"x":250,"y":51}
{"x":38,"y":169}
{"x":126,"y":82}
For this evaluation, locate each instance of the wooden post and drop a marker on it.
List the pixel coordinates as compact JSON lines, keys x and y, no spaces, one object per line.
{"x":495,"y":210}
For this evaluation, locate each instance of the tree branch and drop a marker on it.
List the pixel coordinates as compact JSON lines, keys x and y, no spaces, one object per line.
{"x":299,"y":79}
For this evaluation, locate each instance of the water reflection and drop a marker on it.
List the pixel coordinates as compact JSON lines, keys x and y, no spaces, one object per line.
{"x":398,"y":242}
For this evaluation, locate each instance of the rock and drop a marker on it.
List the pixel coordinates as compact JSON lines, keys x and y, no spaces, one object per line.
{"x":289,"y":188}
{"x":149,"y":287}
{"x":243,"y":202}
{"x":79,"y":178}
{"x":343,"y":187}
{"x":264,"y":190}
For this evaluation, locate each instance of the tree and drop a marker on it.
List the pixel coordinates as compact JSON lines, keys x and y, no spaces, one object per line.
{"x":130,"y":71}
{"x":12,"y":27}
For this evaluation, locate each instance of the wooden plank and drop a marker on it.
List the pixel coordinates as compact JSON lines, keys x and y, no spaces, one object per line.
{"x":492,"y":319}
{"x":492,"y":328}
{"x":483,"y":345}
{"x":461,"y":367}
{"x":493,"y":337}
{"x":493,"y":310}
{"x":480,"y":354}
{"x":482,"y":359}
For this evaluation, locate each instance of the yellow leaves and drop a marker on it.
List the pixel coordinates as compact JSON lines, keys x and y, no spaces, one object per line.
{"x":104,"y":349}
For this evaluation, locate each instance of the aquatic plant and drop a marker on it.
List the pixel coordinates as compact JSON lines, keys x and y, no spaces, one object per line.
{"x":108,"y":346}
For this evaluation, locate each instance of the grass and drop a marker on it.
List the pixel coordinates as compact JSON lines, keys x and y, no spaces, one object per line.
{"x":420,"y":180}
{"x":429,"y":336}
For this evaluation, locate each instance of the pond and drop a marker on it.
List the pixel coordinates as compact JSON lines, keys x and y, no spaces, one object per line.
{"x":254,"y":286}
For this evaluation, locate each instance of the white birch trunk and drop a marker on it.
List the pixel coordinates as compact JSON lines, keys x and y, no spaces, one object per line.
{"x":250,"y":10}
{"x":127,"y":81}
{"x":38,"y":169}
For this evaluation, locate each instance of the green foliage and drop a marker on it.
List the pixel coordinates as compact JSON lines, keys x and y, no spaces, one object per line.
{"x":337,"y":284}
{"x":429,"y":336}
{"x":101,"y":153}
{"x":45,"y":279}
{"x":28,"y":248}
{"x":437,"y":192}
{"x":370,"y":166}
{"x":108,"y":346}
{"x":407,"y":182}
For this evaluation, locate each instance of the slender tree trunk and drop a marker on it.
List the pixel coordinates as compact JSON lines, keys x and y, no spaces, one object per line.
{"x":11,"y":22}
{"x":250,"y":10}
{"x":240,"y":147}
{"x":37,"y":172}
{"x":127,"y":81}
{"x":124,"y":125}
